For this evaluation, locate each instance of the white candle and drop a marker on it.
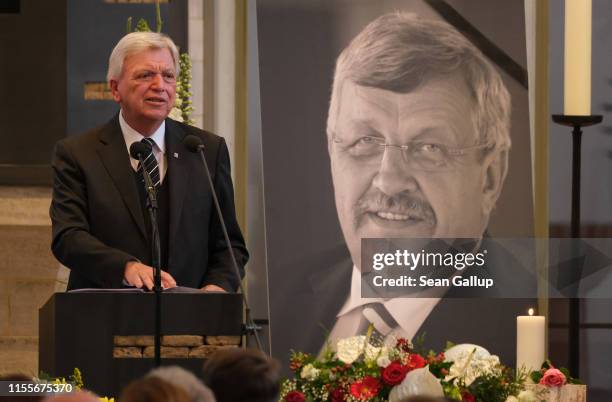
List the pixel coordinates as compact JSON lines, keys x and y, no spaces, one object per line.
{"x":530,"y":341}
{"x":577,"y":66}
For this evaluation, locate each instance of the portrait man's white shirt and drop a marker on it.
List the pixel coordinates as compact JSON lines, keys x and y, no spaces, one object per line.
{"x":409,"y":313}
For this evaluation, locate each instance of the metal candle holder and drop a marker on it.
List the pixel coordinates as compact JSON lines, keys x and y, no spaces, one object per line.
{"x":577,"y":122}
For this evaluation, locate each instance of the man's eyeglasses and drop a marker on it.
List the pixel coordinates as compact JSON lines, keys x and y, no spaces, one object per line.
{"x":421,"y":155}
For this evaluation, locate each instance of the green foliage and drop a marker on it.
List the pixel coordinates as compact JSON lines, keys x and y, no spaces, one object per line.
{"x":440,"y":369}
{"x":76,"y":378}
{"x":142,"y":26}
{"x":158,"y":20}
{"x":497,"y":388}
{"x":183,"y":88}
{"x":451,"y":391}
{"x":418,"y":344}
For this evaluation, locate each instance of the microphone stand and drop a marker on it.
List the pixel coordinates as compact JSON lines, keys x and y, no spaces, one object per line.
{"x":155,"y":257}
{"x":250,"y":327}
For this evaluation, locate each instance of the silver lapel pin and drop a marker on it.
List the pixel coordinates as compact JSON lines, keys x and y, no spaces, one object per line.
{"x":176,"y":155}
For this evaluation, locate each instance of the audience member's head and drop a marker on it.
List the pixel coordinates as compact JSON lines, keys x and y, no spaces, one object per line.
{"x":182,"y":378}
{"x":425,"y":399}
{"x":153,"y":389}
{"x":236,"y":375}
{"x":77,"y":396}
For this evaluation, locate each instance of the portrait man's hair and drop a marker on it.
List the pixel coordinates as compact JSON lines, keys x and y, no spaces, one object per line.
{"x":400,"y":51}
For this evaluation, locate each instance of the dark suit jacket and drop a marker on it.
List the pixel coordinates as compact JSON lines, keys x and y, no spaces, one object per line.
{"x":303,"y":310}
{"x":98,"y":220}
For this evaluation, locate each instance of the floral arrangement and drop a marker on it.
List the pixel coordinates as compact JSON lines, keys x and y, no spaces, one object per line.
{"x":75,"y":379}
{"x":362,"y":368}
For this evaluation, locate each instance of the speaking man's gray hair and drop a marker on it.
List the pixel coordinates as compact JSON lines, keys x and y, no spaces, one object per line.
{"x":184,"y":379}
{"x":136,"y":42}
{"x":400,"y":51}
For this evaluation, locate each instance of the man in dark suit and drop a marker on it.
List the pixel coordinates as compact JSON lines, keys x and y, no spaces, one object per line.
{"x":101,"y":228}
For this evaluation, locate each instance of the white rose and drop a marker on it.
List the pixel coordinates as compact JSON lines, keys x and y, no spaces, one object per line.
{"x":349,"y":349}
{"x":527,"y":396}
{"x":372,"y":352}
{"x":512,"y":398}
{"x":471,"y":364}
{"x":309,"y":372}
{"x":383,"y":361}
{"x":464,"y":349}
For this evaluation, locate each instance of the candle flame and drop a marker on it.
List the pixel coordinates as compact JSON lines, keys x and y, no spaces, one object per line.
{"x":530,"y":311}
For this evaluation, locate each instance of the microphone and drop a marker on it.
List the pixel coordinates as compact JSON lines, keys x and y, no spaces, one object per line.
{"x":194,"y":144}
{"x":138,"y":150}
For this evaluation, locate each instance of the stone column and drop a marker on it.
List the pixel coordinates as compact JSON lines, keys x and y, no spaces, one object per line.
{"x":28,"y":274}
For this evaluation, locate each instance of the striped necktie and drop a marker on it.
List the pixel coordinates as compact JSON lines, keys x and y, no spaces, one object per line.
{"x":377,"y":315}
{"x":385,"y":326}
{"x":150,"y":163}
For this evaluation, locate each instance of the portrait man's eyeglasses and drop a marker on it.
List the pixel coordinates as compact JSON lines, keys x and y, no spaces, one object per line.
{"x":422,"y":155}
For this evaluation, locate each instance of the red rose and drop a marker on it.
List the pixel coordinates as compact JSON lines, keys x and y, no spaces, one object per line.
{"x":553,"y":378}
{"x":394,"y":373}
{"x":367,"y":388}
{"x":295,"y":396}
{"x":467,"y":397}
{"x":416,"y":361}
{"x":337,"y":395}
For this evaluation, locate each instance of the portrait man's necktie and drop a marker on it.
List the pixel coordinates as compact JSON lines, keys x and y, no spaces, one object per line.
{"x":356,"y":322}
{"x":150,"y":163}
{"x":377,"y":315}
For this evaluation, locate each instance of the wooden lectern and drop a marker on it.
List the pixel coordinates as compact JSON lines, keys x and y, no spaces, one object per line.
{"x":81,"y":330}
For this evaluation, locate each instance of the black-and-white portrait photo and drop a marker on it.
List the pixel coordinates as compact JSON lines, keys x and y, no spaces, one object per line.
{"x":418,"y":131}
{"x":392,"y":119}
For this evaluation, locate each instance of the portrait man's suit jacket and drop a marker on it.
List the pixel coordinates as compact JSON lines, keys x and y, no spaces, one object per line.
{"x":312,"y":301}
{"x":98,"y":218}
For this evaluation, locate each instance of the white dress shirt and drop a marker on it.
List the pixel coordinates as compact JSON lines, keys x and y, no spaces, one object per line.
{"x":131,"y":136}
{"x":409,"y":312}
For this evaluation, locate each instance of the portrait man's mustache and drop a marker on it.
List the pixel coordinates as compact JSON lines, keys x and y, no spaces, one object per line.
{"x":405,"y":208}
